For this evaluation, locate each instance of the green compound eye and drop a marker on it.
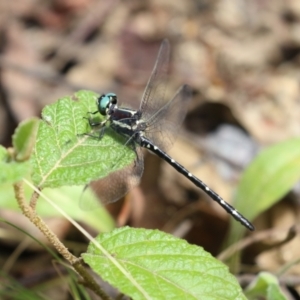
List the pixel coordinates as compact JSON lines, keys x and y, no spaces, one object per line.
{"x":104,"y":102}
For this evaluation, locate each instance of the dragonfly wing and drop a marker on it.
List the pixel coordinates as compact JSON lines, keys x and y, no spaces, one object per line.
{"x":153,"y":97}
{"x":114,"y":186}
{"x":162,"y":127}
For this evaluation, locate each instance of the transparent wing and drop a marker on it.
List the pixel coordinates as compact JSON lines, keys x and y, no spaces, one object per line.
{"x":153,"y":97}
{"x":162,"y":127}
{"x":114,"y":186}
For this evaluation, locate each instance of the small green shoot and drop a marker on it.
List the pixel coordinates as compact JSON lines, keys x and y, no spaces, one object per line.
{"x":265,"y":286}
{"x":14,"y":162}
{"x":24,"y":139}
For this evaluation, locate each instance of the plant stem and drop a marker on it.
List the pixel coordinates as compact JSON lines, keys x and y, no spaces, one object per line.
{"x":30,"y":213}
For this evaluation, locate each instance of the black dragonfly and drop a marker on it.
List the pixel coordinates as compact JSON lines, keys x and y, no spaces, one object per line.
{"x":153,"y":126}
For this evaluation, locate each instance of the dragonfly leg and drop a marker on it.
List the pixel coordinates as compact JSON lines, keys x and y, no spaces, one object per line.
{"x":95,"y":124}
{"x":98,"y":137}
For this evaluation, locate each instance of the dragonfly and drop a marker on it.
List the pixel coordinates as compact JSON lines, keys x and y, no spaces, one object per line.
{"x":154,"y":126}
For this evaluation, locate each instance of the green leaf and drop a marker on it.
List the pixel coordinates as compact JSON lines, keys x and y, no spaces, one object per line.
{"x":64,"y":155}
{"x":265,"y":286}
{"x":11,"y":171}
{"x":24,"y":138}
{"x":269,"y":177}
{"x":149,"y":264}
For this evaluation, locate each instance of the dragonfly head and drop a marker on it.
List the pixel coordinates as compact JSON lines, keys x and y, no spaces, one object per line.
{"x":105,"y":101}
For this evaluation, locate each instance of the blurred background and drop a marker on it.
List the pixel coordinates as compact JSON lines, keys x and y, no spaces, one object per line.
{"x":241,"y":59}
